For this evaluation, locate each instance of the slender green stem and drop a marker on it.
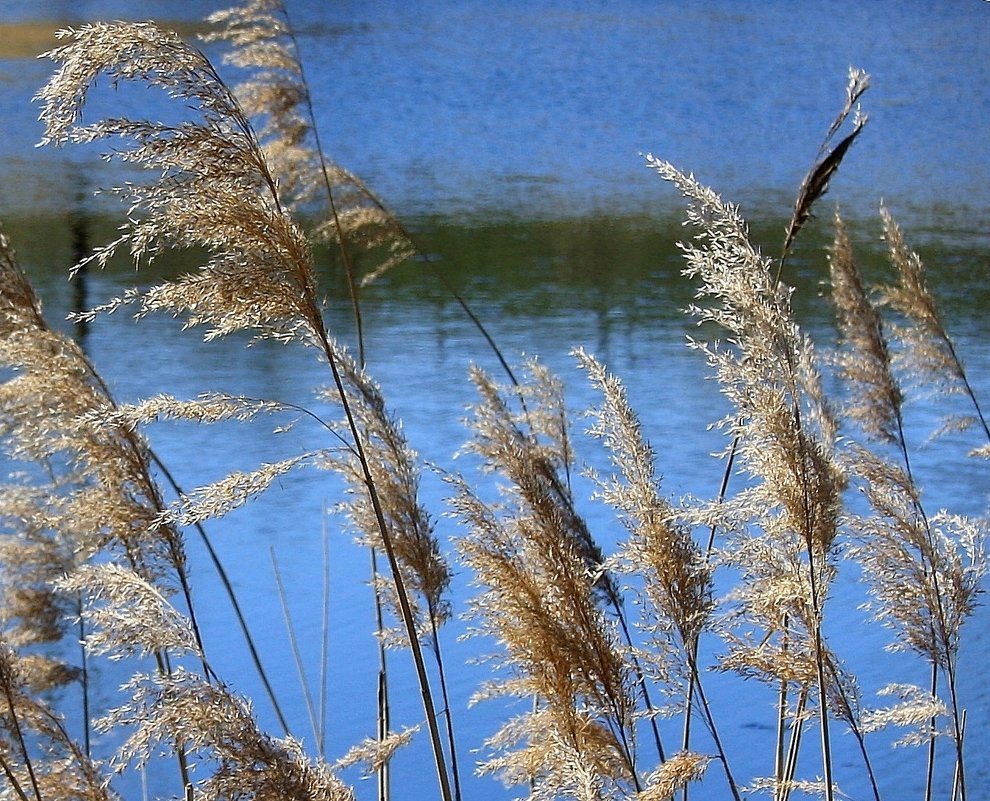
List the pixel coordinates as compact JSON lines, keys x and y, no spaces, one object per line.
{"x":402,"y":596}
{"x":232,"y":597}
{"x":294,"y":646}
{"x":778,"y":761}
{"x":12,"y":778}
{"x":932,"y":728}
{"x":794,"y":747}
{"x":384,"y":714}
{"x":84,"y":676}
{"x":19,"y":735}
{"x":448,"y":716}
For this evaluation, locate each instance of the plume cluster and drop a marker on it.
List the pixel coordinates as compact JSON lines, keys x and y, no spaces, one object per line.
{"x":94,"y":527}
{"x":275,"y":93}
{"x":542,"y":598}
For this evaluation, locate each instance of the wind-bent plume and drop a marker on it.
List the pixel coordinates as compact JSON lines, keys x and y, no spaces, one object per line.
{"x":784,"y":525}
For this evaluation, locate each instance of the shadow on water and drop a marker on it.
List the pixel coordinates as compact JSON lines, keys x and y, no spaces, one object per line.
{"x":614,"y":267}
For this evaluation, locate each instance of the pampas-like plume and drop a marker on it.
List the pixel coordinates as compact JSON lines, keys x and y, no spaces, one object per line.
{"x":677,"y":575}
{"x":114,"y":502}
{"x":676,"y":773}
{"x":531,"y":449}
{"x":678,"y":579}
{"x":129,"y":616}
{"x":538,"y":601}
{"x":109,"y":503}
{"x":276,"y":93}
{"x":214,"y":188}
{"x":914,"y":711}
{"x":924,"y":573}
{"x":543,"y":598}
{"x":32,"y":555}
{"x":39,"y":761}
{"x":785,"y":430}
{"x":183,"y":710}
{"x":928,"y":353}
{"x":786,"y":427}
{"x":815,"y":183}
{"x":865,"y":362}
{"x":373,"y":754}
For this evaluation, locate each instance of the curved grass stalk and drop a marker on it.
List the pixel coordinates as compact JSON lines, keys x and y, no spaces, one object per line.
{"x":384,"y":717}
{"x":402,"y":595}
{"x":19,"y":737}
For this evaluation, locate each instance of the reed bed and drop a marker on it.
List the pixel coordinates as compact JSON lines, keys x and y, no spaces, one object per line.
{"x":607,"y":654}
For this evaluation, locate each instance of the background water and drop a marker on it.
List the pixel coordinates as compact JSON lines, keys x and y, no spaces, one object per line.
{"x":509,"y":137}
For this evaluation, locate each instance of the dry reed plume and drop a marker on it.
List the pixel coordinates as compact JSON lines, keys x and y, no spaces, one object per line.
{"x":92,"y":539}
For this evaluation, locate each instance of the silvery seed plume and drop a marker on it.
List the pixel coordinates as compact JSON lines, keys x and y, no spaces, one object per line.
{"x":218,"y":730}
{"x":276,"y":95}
{"x":864,"y":361}
{"x":924,"y":573}
{"x":530,"y":448}
{"x":38,"y":757}
{"x":542,"y":598}
{"x":113,"y":499}
{"x":211,"y":186}
{"x":785,"y":433}
{"x":928,"y":353}
{"x":678,"y":580}
{"x":786,"y":428}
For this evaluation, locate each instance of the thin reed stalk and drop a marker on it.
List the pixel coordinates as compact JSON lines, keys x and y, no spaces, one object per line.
{"x":911,"y":545}
{"x":783,"y":427}
{"x":402,"y":595}
{"x":15,"y":724}
{"x":294,"y":647}
{"x":384,"y":717}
